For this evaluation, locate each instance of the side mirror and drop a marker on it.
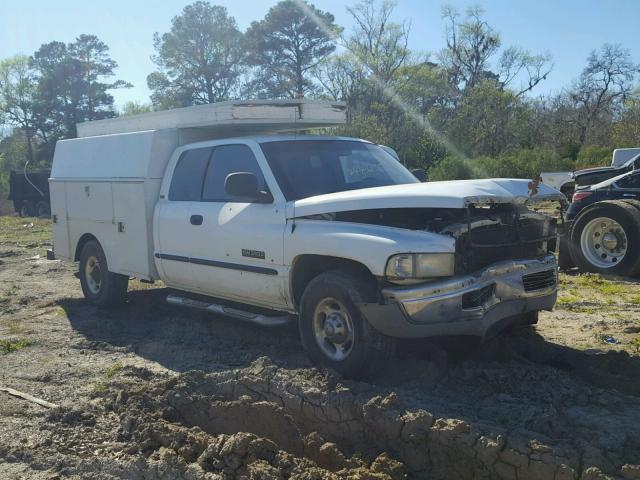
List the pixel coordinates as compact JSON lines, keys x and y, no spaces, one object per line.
{"x":420,"y":174}
{"x":245,"y":184}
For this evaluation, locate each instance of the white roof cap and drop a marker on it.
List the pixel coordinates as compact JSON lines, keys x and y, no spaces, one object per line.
{"x":245,"y":117}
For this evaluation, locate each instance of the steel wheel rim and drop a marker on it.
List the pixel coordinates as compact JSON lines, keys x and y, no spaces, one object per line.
{"x":92,"y":274}
{"x":333,"y":329}
{"x":603,"y":242}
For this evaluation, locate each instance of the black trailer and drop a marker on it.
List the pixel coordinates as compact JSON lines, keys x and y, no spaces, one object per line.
{"x":30,"y":193}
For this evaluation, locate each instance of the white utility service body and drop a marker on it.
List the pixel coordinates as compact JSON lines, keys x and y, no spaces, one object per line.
{"x":127,"y":192}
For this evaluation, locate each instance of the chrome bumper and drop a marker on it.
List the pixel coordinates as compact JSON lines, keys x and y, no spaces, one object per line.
{"x":466,"y":305}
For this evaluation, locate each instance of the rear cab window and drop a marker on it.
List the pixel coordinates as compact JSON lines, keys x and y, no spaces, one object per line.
{"x":186,"y":183}
{"x":200,"y":173}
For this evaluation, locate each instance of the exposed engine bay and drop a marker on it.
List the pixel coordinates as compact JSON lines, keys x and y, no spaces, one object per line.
{"x":484,"y":234}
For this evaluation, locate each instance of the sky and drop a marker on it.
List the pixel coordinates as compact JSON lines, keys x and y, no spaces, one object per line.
{"x":567,"y":29}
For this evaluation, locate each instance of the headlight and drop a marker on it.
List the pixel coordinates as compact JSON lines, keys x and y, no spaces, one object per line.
{"x":406,"y":266}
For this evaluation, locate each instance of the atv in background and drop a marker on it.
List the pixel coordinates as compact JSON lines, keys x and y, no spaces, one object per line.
{"x":29,"y":192}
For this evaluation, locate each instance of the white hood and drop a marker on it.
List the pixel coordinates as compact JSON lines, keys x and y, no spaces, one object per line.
{"x":451,"y":194}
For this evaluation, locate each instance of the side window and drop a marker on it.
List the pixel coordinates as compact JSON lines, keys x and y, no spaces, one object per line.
{"x":228,"y":159}
{"x":630,"y":181}
{"x":186,"y":184}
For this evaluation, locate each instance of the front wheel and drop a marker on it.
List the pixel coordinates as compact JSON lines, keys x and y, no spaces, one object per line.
{"x":605,"y":238}
{"x":333,"y":331}
{"x":99,"y":285}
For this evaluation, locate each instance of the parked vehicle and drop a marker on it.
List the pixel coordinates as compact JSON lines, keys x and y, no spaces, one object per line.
{"x":332,"y":230}
{"x":604,"y":232}
{"x":30,"y":193}
{"x":592,"y":176}
{"x":624,"y":160}
{"x":562,"y":181}
{"x":623,"y":155}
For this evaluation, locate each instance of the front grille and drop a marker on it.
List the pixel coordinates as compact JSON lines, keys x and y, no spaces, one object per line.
{"x":539,"y":280}
{"x":507,"y":237}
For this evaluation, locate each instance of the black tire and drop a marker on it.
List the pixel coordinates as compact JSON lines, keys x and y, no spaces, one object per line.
{"x":111,"y":287}
{"x":632,"y":202}
{"x":564,"y":255}
{"x":530,"y":318}
{"x":628,"y":217}
{"x":523,"y":322}
{"x":27,"y":209}
{"x":42,"y":209}
{"x":369,"y":348}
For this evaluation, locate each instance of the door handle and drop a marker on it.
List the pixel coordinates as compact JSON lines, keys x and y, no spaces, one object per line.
{"x":196,"y":219}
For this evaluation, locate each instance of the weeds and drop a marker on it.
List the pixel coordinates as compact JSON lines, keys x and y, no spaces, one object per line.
{"x":18,"y":231}
{"x":99,"y":388}
{"x":113,"y":369}
{"x":8,"y":346}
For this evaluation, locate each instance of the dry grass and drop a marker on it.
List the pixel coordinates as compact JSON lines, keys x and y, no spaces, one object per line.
{"x":25,"y":232}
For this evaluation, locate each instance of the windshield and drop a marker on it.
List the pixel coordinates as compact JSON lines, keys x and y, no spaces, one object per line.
{"x":304,"y":168}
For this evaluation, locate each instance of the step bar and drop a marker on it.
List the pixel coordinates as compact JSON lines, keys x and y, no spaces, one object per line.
{"x":256,"y":318}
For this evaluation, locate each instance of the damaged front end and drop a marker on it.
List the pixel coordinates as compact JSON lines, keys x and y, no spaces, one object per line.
{"x":504,"y":268}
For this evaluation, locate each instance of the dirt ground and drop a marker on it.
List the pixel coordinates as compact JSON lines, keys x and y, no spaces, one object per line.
{"x":151,"y":391}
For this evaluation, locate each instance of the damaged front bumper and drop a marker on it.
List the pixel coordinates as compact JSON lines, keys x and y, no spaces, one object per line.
{"x":472,"y":304}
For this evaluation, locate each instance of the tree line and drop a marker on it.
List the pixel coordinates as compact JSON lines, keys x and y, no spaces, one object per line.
{"x":469,"y":110}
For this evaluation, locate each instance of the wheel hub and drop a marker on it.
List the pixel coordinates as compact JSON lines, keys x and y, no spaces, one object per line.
{"x":603,"y":242}
{"x":333,"y":329}
{"x":610,"y":241}
{"x":93,"y":274}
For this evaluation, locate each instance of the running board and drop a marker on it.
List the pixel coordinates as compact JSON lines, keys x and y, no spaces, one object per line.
{"x":257,"y":318}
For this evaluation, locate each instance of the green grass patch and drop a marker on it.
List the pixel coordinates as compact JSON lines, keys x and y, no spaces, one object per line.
{"x":99,"y":388}
{"x":568,"y":299}
{"x":113,"y":369}
{"x":24,"y":231}
{"x":613,"y":289}
{"x":10,"y":346}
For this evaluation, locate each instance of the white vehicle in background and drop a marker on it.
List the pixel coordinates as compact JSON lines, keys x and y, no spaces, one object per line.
{"x":266,"y":226}
{"x":623,"y":155}
{"x":562,"y":181}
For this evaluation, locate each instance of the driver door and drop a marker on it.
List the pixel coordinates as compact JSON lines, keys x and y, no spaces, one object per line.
{"x":237,"y":252}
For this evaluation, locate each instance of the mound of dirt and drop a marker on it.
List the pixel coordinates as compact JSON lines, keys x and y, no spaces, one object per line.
{"x":266,"y":420}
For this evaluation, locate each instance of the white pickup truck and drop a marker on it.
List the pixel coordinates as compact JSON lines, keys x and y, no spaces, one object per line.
{"x":263,"y":228}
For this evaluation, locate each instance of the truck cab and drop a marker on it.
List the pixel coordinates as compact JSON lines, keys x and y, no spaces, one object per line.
{"x":331,"y":231}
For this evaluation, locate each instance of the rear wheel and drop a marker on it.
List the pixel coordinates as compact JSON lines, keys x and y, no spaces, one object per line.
{"x":42,"y":209}
{"x":99,"y":285}
{"x":605,"y":238}
{"x":27,"y":209}
{"x":333,"y":331}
